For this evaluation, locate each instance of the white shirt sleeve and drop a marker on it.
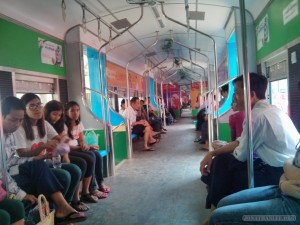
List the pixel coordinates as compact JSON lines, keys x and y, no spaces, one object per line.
{"x":50,"y":131}
{"x":240,"y":152}
{"x":80,"y":127}
{"x":20,"y":138}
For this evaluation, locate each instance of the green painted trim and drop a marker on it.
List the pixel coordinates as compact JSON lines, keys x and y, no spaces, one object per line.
{"x":195,"y":123}
{"x":20,"y":50}
{"x":224,"y":132}
{"x":177,"y":113}
{"x":280,"y":34}
{"x":120,"y":146}
{"x":101,"y":139}
{"x":195,"y":112}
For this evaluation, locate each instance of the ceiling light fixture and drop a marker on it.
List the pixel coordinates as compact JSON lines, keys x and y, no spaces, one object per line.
{"x":157,"y":16}
{"x":150,"y":2}
{"x":63,"y":8}
{"x":121,"y":24}
{"x":99,"y":30}
{"x":83,"y":19}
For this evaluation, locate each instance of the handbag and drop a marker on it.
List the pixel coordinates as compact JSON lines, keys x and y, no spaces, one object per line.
{"x":47,"y":217}
{"x":2,"y":192}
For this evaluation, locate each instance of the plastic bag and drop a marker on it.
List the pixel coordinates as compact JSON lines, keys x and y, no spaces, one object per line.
{"x":91,"y":138}
{"x":62,"y":148}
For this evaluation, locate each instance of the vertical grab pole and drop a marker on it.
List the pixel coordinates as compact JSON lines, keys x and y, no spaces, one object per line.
{"x":112,"y":150}
{"x":2,"y":155}
{"x":246,"y":80}
{"x":128,"y":126}
{"x":163,"y":104}
{"x":103,"y":99}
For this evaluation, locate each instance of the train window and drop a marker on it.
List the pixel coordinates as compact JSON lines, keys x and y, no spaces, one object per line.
{"x":279,"y":94}
{"x":44,"y":87}
{"x":44,"y":97}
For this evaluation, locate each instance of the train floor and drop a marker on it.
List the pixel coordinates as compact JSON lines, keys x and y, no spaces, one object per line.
{"x":159,"y":187}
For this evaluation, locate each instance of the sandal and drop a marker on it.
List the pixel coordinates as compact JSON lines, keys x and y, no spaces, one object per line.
{"x":156,"y":141}
{"x":89,"y":198}
{"x":80,"y":206}
{"x":72,"y":217}
{"x":104,"y":188}
{"x":148,"y":149}
{"x":157,"y":136}
{"x":99,"y":194}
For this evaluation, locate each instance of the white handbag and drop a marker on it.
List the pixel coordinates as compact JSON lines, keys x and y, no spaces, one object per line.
{"x":47,"y":217}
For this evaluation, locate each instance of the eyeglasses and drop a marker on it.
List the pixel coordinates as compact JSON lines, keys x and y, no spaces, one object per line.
{"x":33,"y":107}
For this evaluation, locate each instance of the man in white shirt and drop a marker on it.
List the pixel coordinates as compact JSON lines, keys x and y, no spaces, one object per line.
{"x":141,"y":127}
{"x":123,"y":107}
{"x":274,"y":139}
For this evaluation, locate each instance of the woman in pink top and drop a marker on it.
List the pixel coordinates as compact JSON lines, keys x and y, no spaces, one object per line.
{"x":236,"y":120}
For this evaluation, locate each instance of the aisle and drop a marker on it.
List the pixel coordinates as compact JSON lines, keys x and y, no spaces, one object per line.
{"x":157,"y":188}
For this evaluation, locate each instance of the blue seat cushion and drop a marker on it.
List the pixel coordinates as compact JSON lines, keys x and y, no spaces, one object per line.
{"x":102,"y":152}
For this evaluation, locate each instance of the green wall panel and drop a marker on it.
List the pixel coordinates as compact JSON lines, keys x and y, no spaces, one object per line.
{"x":279,"y":34}
{"x":19,"y":49}
{"x":195,"y":112}
{"x":120,"y":144}
{"x":101,"y":138}
{"x":224,"y":132}
{"x":177,"y":114}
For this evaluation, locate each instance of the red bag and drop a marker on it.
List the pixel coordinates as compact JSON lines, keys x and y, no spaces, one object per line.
{"x":2,"y":192}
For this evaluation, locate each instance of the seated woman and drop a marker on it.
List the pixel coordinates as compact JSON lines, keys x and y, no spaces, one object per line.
{"x":54,"y":114}
{"x":37,"y":137}
{"x":74,"y":129}
{"x":275,"y":204}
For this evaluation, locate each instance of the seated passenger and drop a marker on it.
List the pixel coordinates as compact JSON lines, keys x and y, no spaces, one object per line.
{"x":204,"y":133}
{"x":156,"y":122}
{"x":236,"y":120}
{"x":29,"y":178}
{"x":37,"y":137}
{"x":74,"y":128}
{"x":169,"y":117}
{"x":224,"y":94}
{"x":11,"y":210}
{"x":123,"y":107}
{"x":54,"y":114}
{"x":274,"y":138}
{"x":171,"y":111}
{"x":275,"y":204}
{"x":142,"y":127}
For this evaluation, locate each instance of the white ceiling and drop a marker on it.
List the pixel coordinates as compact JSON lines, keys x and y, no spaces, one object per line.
{"x":46,"y":16}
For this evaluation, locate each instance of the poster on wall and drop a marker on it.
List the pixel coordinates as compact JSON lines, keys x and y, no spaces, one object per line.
{"x":195,"y":92}
{"x":290,"y":12}
{"x":262,"y":32}
{"x":171,"y":95}
{"x":184,"y":96}
{"x":51,"y":53}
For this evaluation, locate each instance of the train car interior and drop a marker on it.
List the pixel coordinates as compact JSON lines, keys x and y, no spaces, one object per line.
{"x":180,"y":57}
